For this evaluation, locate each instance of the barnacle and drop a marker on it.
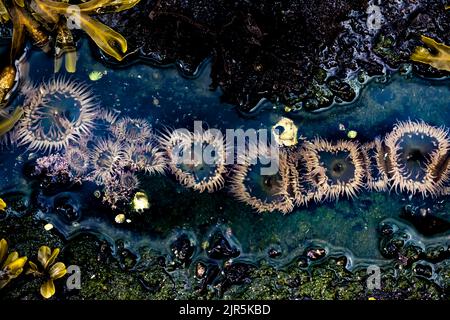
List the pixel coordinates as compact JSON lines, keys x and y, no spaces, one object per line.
{"x":438,"y":57}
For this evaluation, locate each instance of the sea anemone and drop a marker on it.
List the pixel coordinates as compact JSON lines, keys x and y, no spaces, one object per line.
{"x":147,"y":158}
{"x":196,"y":159}
{"x":132,"y":130}
{"x":265,"y":193}
{"x":107,"y":157}
{"x":110,"y":116}
{"x":55,"y":114}
{"x":120,"y":189}
{"x":374,"y":155}
{"x":78,"y":159}
{"x":417,"y":157}
{"x":336,"y":169}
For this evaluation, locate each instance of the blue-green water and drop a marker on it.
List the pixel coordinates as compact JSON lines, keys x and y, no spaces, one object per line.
{"x":166,"y":99}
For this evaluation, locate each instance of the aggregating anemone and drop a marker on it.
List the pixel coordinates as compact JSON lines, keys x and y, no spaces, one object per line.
{"x":78,"y":159}
{"x":107,"y":157}
{"x":417,"y":157}
{"x":56,"y":113}
{"x":197,"y":160}
{"x":135,"y":131}
{"x":336,"y":169}
{"x":263,"y":191}
{"x":147,"y":158}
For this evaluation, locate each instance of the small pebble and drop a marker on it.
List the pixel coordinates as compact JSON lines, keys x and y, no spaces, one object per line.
{"x":352,"y":134}
{"x":120,"y":218}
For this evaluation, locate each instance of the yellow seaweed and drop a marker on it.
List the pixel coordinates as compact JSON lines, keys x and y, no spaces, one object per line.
{"x":4,"y":15}
{"x":11,"y":265}
{"x":49,"y":14}
{"x":8,"y":123}
{"x":18,"y":38}
{"x":7,"y":77}
{"x":438,"y":59}
{"x":89,"y":7}
{"x":50,"y":268}
{"x":32,"y":27}
{"x":107,"y":6}
{"x":108,"y":40}
{"x":65,"y":47}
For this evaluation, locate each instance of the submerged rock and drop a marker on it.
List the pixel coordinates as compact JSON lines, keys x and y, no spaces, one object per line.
{"x":220,"y":248}
{"x":182,"y":250}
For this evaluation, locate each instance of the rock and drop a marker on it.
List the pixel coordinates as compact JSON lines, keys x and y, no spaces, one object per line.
{"x":425,"y":220}
{"x":220,"y":247}
{"x":182,"y":250}
{"x":315,"y":254}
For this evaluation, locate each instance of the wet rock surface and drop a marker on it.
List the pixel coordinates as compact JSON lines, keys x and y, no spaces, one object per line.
{"x":303,"y":53}
{"x":109,"y":275}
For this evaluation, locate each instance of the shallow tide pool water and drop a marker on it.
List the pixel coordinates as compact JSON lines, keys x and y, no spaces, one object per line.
{"x":166,"y":99}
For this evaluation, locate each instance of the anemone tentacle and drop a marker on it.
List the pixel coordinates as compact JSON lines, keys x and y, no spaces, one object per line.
{"x":148,"y":158}
{"x":374,"y":156}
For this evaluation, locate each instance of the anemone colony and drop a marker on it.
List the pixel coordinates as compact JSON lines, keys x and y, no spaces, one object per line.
{"x":60,"y":116}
